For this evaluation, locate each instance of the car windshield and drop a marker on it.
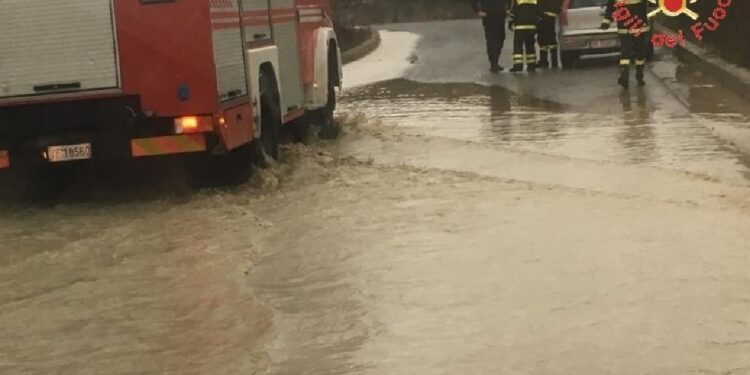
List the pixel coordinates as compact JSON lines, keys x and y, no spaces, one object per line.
{"x":586,"y":3}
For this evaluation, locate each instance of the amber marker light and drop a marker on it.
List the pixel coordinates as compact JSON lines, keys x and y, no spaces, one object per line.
{"x":192,"y":124}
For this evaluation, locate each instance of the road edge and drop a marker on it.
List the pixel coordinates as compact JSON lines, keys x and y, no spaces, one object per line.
{"x":363,"y":49}
{"x":663,"y":69}
{"x":728,"y":74}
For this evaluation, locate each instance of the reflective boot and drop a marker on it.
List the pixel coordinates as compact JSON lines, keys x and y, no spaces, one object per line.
{"x":639,"y":76}
{"x":624,"y":79}
{"x":516,"y":68}
{"x":553,"y":57}
{"x":531,"y":67}
{"x":543,"y":62}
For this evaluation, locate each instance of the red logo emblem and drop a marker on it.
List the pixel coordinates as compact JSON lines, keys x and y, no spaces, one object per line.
{"x":674,"y":8}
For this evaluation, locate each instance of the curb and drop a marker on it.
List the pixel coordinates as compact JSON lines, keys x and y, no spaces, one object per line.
{"x":663,"y":69}
{"x":730,"y":75}
{"x":362,"y":50}
{"x":665,"y":79}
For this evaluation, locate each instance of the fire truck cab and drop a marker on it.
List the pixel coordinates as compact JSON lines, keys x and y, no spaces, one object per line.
{"x":116,"y":79}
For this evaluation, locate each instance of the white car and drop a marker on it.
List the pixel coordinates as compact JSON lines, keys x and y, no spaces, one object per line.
{"x":580,"y":32}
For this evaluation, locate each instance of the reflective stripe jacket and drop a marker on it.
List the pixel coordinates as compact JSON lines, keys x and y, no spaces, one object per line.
{"x":524,"y":14}
{"x":631,"y":16}
{"x":493,"y":8}
{"x":550,"y":8}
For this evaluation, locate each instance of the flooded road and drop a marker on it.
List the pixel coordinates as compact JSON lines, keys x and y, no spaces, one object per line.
{"x":464,"y":224}
{"x":642,"y":133}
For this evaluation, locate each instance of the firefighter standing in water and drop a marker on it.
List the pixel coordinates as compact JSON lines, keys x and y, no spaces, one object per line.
{"x":546,"y":30}
{"x":524,"y":15}
{"x":633,"y":26}
{"x":493,"y":13}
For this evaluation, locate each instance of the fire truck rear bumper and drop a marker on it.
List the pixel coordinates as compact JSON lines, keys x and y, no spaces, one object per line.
{"x":106,"y":129}
{"x":103,"y":149}
{"x":173,"y":144}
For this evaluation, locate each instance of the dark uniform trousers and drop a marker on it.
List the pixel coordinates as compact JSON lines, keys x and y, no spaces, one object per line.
{"x":548,"y":38}
{"x":524,"y":17}
{"x":524,"y":38}
{"x":493,"y":20}
{"x":633,"y":49}
{"x":494,"y":32}
{"x":549,"y":12}
{"x":631,"y":17}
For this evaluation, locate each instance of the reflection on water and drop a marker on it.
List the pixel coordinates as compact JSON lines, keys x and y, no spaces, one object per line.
{"x":707,"y":96}
{"x":637,"y":136}
{"x":633,"y":130}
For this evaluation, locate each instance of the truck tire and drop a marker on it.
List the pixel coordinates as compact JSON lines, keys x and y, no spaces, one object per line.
{"x":37,"y":184}
{"x":230,"y":169}
{"x":329,"y":129}
{"x":568,"y":59}
{"x":299,"y":130}
{"x":235,"y":167}
{"x":303,"y":129}
{"x":270,"y":116}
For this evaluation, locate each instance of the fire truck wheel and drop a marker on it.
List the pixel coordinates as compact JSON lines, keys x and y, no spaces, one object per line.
{"x":329,"y":129}
{"x":270,"y":117}
{"x":230,"y":169}
{"x":37,"y":183}
{"x":298,"y":131}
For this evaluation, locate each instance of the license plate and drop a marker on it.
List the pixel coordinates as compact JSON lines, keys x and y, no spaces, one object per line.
{"x":69,"y":152}
{"x":605,"y":43}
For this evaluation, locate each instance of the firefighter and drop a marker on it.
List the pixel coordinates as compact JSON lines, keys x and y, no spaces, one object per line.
{"x":633,"y":26}
{"x":524,"y":15}
{"x":546,"y":29}
{"x":493,"y":13}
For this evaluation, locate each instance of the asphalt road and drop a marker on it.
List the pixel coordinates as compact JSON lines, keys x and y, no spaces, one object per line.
{"x":465,"y":223}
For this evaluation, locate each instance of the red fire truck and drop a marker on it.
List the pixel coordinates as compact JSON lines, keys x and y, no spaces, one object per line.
{"x":116,"y":79}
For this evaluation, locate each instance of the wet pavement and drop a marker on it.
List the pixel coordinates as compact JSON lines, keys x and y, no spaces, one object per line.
{"x":466,"y":223}
{"x":589,"y":119}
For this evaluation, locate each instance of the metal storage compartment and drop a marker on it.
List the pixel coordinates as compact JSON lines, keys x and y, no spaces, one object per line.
{"x":56,"y":46}
{"x":285,"y":36}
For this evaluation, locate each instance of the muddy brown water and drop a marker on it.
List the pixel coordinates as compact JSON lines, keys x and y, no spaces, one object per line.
{"x":476,"y":227}
{"x":641,"y":133}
